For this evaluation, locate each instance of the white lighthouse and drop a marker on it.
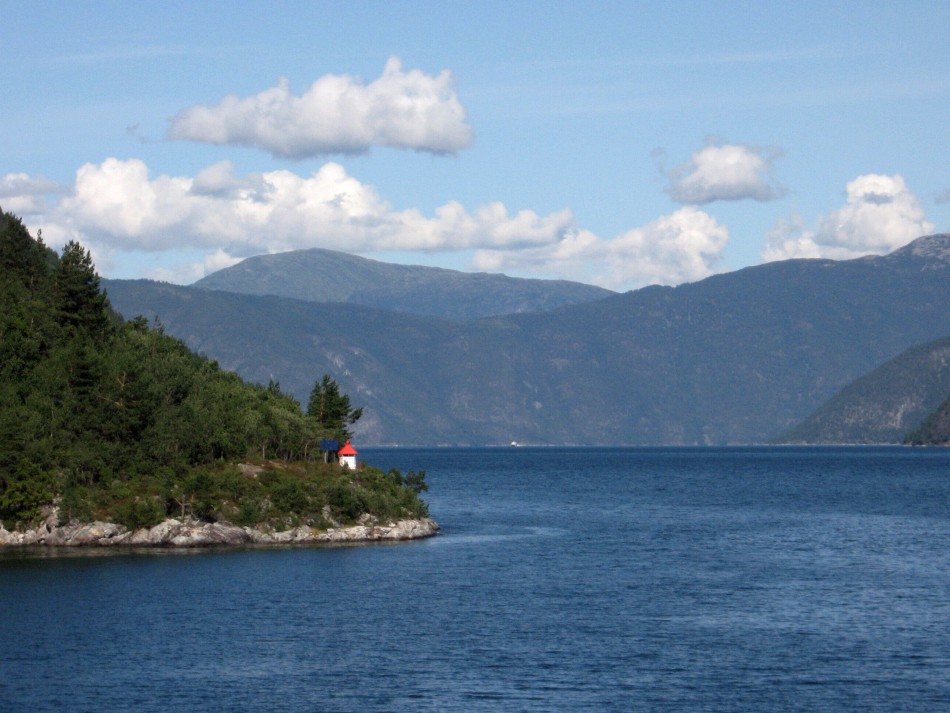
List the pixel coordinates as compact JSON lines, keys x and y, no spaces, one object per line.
{"x":347,"y":455}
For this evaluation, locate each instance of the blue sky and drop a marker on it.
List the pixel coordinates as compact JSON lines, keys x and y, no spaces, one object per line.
{"x":621,"y":144}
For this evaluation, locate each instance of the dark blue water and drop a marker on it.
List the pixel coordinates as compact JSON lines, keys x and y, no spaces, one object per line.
{"x":566,"y":579}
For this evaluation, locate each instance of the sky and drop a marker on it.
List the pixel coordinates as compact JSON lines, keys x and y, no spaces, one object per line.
{"x":615,"y":143}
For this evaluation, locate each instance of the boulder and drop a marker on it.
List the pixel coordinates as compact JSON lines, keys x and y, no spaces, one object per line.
{"x":209,"y":533}
{"x":96,"y":533}
{"x":7,"y":537}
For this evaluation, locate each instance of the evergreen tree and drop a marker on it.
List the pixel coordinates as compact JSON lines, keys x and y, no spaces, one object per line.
{"x":331,"y":409}
{"x":80,"y":303}
{"x":22,"y":258}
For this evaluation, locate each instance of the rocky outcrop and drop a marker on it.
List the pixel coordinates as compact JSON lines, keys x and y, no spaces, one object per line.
{"x":193,"y":533}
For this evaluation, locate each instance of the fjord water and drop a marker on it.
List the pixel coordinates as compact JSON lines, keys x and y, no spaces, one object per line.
{"x":761,"y":579}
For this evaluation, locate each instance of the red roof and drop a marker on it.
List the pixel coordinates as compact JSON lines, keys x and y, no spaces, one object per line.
{"x":347,"y":450}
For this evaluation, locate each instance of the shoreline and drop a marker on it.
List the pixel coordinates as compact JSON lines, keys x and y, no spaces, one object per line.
{"x":191,"y":533}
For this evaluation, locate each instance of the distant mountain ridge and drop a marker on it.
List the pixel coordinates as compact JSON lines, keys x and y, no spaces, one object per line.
{"x":884,"y":405}
{"x":735,"y":358}
{"x":318,"y":275}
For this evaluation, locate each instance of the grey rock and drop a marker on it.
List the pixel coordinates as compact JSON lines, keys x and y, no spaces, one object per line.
{"x":7,"y":537}
{"x":328,"y":516}
{"x":192,"y":533}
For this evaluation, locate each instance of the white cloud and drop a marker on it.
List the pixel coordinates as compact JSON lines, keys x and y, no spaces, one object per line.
{"x":119,"y":210}
{"x":337,"y":114}
{"x":725,"y":172}
{"x":22,"y":195}
{"x":119,"y":205}
{"x":186,"y":273}
{"x":218,"y":260}
{"x":880,"y":215}
{"x":681,"y":247}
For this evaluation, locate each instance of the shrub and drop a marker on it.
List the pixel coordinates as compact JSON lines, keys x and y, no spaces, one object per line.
{"x":249,"y":513}
{"x":141,"y":512}
{"x":289,"y":496}
{"x":21,"y":499}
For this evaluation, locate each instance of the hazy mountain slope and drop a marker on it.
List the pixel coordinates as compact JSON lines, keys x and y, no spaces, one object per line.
{"x":935,"y":430}
{"x":327,"y":276}
{"x":409,"y":372}
{"x":884,"y":405}
{"x":736,"y":358}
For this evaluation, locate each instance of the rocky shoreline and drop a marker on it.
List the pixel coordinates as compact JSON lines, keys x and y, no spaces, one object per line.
{"x":194,"y":533}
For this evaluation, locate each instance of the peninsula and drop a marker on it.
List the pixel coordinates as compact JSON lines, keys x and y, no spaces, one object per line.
{"x":114,"y":433}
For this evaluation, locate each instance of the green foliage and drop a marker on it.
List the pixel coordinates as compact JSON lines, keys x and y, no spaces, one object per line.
{"x":331,"y":409}
{"x":289,"y":495}
{"x":76,"y":297}
{"x":77,"y":504}
{"x":21,"y":498}
{"x":344,"y":500}
{"x":416,"y":482}
{"x":119,"y":421}
{"x":141,"y":512}
{"x":201,"y":493}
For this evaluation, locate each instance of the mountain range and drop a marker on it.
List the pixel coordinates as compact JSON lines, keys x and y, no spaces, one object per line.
{"x":735,"y":358}
{"x":319,"y":275}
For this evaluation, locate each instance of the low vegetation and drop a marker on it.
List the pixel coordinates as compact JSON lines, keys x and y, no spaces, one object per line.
{"x":115,"y":420}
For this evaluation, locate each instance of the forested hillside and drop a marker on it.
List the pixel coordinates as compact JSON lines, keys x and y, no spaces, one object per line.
{"x":115,"y":420}
{"x":885,"y":404}
{"x":935,"y":430}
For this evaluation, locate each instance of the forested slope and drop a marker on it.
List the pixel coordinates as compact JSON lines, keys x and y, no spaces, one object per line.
{"x":115,"y":420}
{"x":885,"y":404}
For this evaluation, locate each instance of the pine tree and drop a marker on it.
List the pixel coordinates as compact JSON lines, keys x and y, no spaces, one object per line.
{"x":22,"y":259}
{"x":80,"y":303}
{"x":331,"y":409}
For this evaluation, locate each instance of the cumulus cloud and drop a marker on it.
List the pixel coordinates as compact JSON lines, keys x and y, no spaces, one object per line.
{"x":337,"y":114}
{"x":23,"y":195}
{"x":724,"y":172}
{"x":880,"y":215}
{"x":117,"y":209}
{"x":119,"y":204}
{"x":681,"y":247}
